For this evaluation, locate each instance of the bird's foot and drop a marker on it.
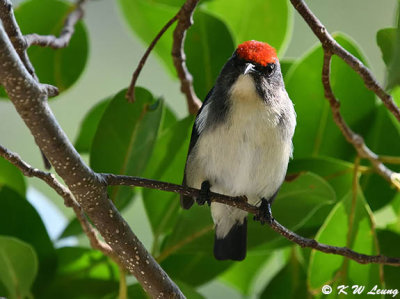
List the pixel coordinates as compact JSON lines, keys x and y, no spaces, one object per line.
{"x":264,"y":214}
{"x":204,"y":195}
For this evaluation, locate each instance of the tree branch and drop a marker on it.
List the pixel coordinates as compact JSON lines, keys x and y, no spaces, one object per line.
{"x":185,"y":20}
{"x":69,"y":200}
{"x":66,"y":33}
{"x":330,"y":47}
{"x":353,"y":138}
{"x":241,"y":203}
{"x":130,"y":95}
{"x":87,"y":187}
{"x":14,"y":33}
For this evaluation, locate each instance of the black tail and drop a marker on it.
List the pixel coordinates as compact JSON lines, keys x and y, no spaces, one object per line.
{"x":233,"y":246}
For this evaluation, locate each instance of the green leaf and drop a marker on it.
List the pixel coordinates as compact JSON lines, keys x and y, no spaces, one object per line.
{"x":389,"y":243}
{"x":167,"y":164}
{"x":73,"y":228}
{"x":388,"y":40}
{"x":296,"y":203}
{"x":146,"y":18}
{"x":385,"y":38}
{"x":18,"y":267}
{"x":339,"y":174}
{"x":82,"y":262}
{"x":384,"y":139}
{"x":249,"y":21}
{"x":316,"y":132}
{"x":60,"y":67}
{"x":177,"y":3}
{"x":286,"y":64}
{"x":396,"y":96}
{"x":188,"y":291}
{"x":252,"y":274}
{"x":85,"y":288}
{"x":125,"y":138}
{"x":336,"y":232}
{"x":11,"y":177}
{"x":3,"y":93}
{"x":136,"y":291}
{"x":19,"y":219}
{"x":290,"y":282}
{"x":82,"y":273}
{"x":194,"y":269}
{"x":192,"y":232}
{"x":89,"y":126}
{"x":242,"y":275}
{"x":394,"y":209}
{"x":203,"y":61}
{"x":299,"y":198}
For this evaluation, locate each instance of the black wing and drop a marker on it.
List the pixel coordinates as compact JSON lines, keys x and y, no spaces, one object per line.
{"x":187,"y":201}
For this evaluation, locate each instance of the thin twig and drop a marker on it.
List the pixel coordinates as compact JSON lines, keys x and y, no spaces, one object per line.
{"x":69,"y":200}
{"x":329,"y":44}
{"x":389,"y":159}
{"x":22,"y":43}
{"x":353,"y":138}
{"x":14,"y":33}
{"x":185,"y":20}
{"x":122,"y":294}
{"x":174,"y":248}
{"x":66,"y":33}
{"x":241,"y":203}
{"x":331,"y":47}
{"x":130,"y":95}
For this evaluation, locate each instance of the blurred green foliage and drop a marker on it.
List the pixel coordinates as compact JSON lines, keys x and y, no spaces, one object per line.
{"x":325,"y":199}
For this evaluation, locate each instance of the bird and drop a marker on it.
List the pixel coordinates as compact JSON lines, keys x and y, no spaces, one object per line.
{"x":241,"y":144}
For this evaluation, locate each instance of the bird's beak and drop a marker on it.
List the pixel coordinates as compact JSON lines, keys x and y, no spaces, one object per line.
{"x":248,"y":68}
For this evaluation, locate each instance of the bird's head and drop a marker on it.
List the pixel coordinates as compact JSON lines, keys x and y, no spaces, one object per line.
{"x":253,"y":65}
{"x":255,"y":56}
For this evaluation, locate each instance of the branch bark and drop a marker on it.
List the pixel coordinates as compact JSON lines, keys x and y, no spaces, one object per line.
{"x":331,"y":47}
{"x":14,"y":33}
{"x":241,"y":203}
{"x":329,"y":44}
{"x":130,"y":95}
{"x":185,"y":20}
{"x":87,"y":187}
{"x":353,"y":138}
{"x":69,"y":200}
{"x":66,"y":33}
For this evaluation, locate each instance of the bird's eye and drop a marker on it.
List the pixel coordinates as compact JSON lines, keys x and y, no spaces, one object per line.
{"x":267,"y":70}
{"x":270,"y":69}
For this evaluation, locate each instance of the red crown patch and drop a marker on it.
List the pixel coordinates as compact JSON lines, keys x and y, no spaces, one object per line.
{"x":257,"y":52}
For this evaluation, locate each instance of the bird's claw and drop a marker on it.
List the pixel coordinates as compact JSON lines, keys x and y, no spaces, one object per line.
{"x":204,"y":195}
{"x":264,"y":214}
